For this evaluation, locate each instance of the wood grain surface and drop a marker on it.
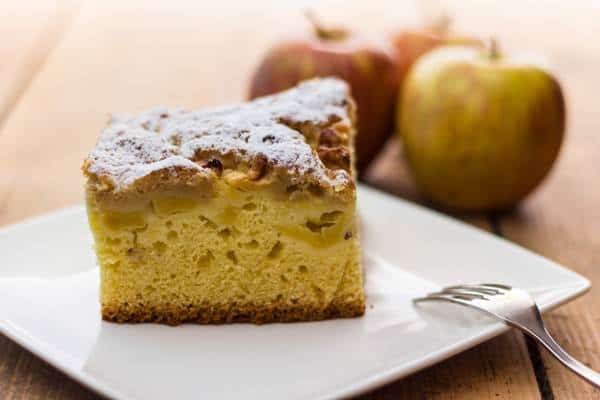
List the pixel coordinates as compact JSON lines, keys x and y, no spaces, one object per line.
{"x":29,"y":33}
{"x":68,"y":66}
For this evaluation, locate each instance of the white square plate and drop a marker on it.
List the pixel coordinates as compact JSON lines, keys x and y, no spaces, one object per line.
{"x":49,"y":304}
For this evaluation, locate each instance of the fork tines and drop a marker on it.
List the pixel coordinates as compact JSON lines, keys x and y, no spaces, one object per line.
{"x":466,"y":293}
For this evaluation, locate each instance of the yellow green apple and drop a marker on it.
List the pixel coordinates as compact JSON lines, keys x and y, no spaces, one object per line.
{"x":480,"y":129}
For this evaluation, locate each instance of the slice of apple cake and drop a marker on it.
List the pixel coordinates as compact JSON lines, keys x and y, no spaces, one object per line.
{"x":239,"y":213}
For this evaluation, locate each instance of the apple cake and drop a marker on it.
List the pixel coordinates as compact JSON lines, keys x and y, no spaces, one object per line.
{"x":240,"y":213}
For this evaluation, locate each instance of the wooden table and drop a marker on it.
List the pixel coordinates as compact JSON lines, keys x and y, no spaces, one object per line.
{"x":65,"y":65}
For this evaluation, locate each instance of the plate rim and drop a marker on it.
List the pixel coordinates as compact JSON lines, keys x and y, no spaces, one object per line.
{"x":577,"y":288}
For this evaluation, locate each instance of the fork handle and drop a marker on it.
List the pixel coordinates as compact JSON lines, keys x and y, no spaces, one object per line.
{"x":542,"y":336}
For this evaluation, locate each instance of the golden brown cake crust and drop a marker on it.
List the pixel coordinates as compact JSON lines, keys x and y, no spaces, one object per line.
{"x":175,"y":315}
{"x":300,"y":136}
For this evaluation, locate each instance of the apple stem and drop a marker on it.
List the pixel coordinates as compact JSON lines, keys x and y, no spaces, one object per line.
{"x":493,"y":49}
{"x":321,"y":31}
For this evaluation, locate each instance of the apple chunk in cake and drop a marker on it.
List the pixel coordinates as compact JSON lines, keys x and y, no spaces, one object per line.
{"x":240,"y":213}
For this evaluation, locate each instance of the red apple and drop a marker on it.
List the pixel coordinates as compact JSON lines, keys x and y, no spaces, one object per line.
{"x":410,"y":44}
{"x":367,"y":67}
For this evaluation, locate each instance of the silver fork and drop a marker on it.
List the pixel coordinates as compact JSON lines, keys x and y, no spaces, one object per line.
{"x":518,"y":309}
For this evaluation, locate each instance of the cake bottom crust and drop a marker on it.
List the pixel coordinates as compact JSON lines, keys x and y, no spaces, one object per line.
{"x":218,"y":314}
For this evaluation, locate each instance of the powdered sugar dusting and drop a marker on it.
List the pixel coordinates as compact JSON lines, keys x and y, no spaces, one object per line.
{"x":133,"y":147}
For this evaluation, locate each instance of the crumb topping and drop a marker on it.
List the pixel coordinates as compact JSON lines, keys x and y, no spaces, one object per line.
{"x":269,"y":133}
